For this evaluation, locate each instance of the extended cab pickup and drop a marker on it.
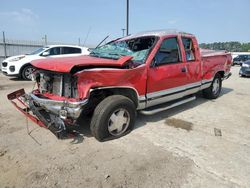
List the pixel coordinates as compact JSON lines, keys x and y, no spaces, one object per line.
{"x":147,"y":72}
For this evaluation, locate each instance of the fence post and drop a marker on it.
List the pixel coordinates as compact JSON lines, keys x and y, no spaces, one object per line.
{"x":4,"y":46}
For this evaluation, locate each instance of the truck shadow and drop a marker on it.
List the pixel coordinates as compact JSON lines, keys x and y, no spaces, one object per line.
{"x":84,"y":128}
{"x":18,"y":79}
{"x":143,"y":119}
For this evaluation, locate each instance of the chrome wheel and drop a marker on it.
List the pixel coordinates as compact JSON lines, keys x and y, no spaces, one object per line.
{"x":216,"y":86}
{"x":118,"y":122}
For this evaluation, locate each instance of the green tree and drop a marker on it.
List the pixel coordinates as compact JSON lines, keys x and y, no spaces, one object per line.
{"x":232,"y":46}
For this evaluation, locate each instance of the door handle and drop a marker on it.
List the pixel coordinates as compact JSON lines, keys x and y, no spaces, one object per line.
{"x":183,"y":69}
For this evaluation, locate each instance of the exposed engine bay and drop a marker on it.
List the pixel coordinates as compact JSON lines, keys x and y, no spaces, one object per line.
{"x":64,"y":85}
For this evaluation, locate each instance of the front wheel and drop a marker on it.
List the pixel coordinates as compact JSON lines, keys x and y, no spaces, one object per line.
{"x":214,"y":90}
{"x":27,"y":71}
{"x":113,"y":117}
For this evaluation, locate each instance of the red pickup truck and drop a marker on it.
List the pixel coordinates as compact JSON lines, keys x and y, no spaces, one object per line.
{"x":147,"y":72}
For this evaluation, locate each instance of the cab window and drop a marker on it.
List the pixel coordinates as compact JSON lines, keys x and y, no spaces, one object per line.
{"x":169,"y":52}
{"x":189,"y":48}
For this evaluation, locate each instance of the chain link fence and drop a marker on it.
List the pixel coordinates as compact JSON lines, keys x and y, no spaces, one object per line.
{"x":11,"y":47}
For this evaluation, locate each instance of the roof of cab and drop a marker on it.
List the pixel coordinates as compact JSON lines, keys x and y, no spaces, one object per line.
{"x":158,"y":33}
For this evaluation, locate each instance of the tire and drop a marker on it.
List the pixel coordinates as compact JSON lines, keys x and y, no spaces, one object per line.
{"x":113,"y":117}
{"x":26,"y":72}
{"x":214,"y":90}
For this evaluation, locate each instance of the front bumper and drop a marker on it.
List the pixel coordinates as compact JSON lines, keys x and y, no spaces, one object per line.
{"x":51,"y":114}
{"x":6,"y":71}
{"x":10,"y":75}
{"x":64,"y":109}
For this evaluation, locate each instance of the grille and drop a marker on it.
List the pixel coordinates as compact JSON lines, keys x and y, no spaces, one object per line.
{"x":58,"y":84}
{"x":4,"y":64}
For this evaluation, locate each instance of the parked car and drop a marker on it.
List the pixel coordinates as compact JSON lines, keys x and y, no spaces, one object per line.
{"x":240,"y":59}
{"x":20,"y":66}
{"x":147,"y":72}
{"x":245,"y":69}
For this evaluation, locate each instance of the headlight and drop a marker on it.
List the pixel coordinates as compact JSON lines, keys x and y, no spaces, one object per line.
{"x":16,"y":59}
{"x":245,"y":65}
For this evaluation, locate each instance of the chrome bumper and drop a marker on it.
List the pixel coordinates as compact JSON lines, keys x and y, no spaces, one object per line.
{"x":65,"y":109}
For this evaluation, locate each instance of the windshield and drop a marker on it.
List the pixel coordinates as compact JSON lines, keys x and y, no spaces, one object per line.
{"x":138,"y":48}
{"x":37,"y":51}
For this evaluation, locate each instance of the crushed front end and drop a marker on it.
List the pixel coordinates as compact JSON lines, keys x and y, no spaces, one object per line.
{"x":54,"y":104}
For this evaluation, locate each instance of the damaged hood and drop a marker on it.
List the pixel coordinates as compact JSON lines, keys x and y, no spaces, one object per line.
{"x":67,"y":63}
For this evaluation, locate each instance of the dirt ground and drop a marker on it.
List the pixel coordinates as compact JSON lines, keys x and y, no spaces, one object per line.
{"x":175,"y":148}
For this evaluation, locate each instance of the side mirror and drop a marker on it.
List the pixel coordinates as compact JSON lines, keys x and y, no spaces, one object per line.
{"x":45,"y":53}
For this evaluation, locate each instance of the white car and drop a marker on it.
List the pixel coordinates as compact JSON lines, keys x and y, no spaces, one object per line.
{"x":20,"y":65}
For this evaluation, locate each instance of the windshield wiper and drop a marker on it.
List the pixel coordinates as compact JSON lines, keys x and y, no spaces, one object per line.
{"x":117,"y":54}
{"x":95,"y":54}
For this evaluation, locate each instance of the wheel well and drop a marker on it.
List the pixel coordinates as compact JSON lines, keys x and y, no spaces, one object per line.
{"x":130,"y":93}
{"x":21,"y":69}
{"x":97,"y":95}
{"x":221,"y":73}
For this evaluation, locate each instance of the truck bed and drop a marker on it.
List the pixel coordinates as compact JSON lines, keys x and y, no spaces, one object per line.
{"x":215,"y":60}
{"x":208,"y":53}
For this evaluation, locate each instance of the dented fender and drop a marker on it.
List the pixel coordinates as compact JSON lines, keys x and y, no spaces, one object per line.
{"x":110,"y":77}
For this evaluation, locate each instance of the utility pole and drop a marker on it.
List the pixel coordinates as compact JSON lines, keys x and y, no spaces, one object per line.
{"x":45,"y":40}
{"x":127,"y":20}
{"x":79,"y":41}
{"x":123,"y":32}
{"x":4,"y":46}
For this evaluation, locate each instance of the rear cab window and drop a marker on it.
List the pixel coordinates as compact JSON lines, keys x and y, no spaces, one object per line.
{"x":189,"y":48}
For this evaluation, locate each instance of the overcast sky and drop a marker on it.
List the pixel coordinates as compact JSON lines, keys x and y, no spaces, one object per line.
{"x":66,"y":21}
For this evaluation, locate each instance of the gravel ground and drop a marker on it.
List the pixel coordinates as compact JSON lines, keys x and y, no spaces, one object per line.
{"x":175,"y":148}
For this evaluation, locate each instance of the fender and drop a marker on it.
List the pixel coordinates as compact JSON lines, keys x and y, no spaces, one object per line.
{"x":91,"y":79}
{"x":140,"y":101}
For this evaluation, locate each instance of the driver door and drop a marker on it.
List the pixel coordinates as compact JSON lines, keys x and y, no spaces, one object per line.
{"x":167,"y":76}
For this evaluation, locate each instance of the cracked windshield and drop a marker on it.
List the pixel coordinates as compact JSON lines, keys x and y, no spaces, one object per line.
{"x":138,"y":48}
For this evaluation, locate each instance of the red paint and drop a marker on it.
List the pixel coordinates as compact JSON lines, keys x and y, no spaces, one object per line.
{"x":135,"y":78}
{"x":65,"y":64}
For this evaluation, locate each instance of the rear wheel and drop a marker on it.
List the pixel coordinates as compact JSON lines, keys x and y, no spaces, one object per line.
{"x":113,"y":117}
{"x":27,"y":71}
{"x":214,"y":90}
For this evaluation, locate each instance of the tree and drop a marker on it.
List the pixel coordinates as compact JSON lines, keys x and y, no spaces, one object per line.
{"x":232,"y":46}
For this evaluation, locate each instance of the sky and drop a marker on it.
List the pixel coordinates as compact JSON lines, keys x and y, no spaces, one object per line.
{"x":92,"y":20}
